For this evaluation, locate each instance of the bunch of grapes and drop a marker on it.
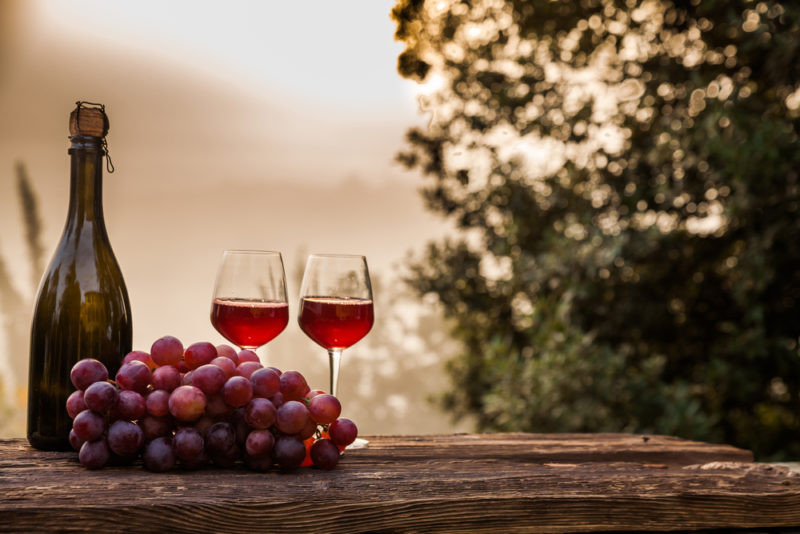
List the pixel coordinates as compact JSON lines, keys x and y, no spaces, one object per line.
{"x":202,"y":405}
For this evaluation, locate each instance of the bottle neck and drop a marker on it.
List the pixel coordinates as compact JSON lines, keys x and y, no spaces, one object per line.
{"x":86,"y":180}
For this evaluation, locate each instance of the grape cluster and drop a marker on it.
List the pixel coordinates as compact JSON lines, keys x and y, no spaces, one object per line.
{"x":202,"y":405}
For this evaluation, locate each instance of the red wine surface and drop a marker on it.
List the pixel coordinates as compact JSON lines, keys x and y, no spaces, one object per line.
{"x":335,"y":323}
{"x":249,"y":323}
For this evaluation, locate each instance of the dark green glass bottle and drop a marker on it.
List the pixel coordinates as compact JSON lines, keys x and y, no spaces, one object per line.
{"x":82,"y":309}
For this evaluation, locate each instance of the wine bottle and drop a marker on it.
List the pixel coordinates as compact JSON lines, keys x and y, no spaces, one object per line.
{"x":82,"y":309}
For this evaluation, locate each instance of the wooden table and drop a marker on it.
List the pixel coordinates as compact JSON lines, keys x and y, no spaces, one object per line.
{"x":460,"y":483}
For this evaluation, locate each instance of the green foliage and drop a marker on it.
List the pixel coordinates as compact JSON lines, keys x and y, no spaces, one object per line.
{"x":625,"y":174}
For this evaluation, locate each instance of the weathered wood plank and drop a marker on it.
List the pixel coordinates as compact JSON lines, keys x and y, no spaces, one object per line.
{"x":561,"y":448}
{"x":461,"y":483}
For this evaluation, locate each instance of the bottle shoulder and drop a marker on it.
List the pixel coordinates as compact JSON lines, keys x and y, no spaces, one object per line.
{"x":84,"y":264}
{"x":80,"y":244}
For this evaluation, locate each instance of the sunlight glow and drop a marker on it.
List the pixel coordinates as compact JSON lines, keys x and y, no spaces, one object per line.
{"x":270,"y":43}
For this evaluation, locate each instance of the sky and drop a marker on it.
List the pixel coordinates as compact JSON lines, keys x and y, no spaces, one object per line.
{"x":259,"y":125}
{"x":332,"y":53}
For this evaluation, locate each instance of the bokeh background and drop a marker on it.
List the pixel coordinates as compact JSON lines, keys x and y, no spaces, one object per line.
{"x":590,"y":209}
{"x":260,"y":125}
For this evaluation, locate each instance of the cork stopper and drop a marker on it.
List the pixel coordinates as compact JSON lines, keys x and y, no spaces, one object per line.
{"x":86,"y":119}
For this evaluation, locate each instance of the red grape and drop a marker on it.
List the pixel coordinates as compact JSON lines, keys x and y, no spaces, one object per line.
{"x":130,"y":405}
{"x":220,"y":438}
{"x":324,"y":408}
{"x":157,"y":402}
{"x":226,"y":459}
{"x":209,"y":378}
{"x":277,"y":399}
{"x":289,"y":452}
{"x":293,"y":385}
{"x":217,"y":407}
{"x":86,"y":372}
{"x":89,"y":425}
{"x":202,"y":403}
{"x":259,"y":443}
{"x":135,"y":376}
{"x":154,"y":427}
{"x":259,"y":413}
{"x":94,"y":454}
{"x":343,"y":432}
{"x":309,"y":430}
{"x":198,"y":354}
{"x":167,"y":350}
{"x":291,"y":417}
{"x":125,"y":438}
{"x":226,"y":364}
{"x":240,"y":427}
{"x":189,"y":445}
{"x":324,"y":453}
{"x":248,"y":355}
{"x":203,"y":424}
{"x":100,"y":397}
{"x":237,"y":391}
{"x":266,"y":383}
{"x":159,"y":456}
{"x":246,"y":369}
{"x":259,"y":463}
{"x":166,"y":377}
{"x":187,"y":403}
{"x":226,"y":351}
{"x":75,"y":441}
{"x":141,"y":356}
{"x":75,"y":403}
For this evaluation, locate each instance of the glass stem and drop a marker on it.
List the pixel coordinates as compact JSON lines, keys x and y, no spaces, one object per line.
{"x":334,"y":356}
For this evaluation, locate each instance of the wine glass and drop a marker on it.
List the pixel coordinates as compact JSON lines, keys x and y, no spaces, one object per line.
{"x":335,"y":305}
{"x":250,"y":306}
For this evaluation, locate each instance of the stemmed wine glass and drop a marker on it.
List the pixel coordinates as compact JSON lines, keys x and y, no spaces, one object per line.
{"x":250,"y":306}
{"x":335,"y":305}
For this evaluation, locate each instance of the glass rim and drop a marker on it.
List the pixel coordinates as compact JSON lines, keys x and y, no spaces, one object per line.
{"x":345,"y":256}
{"x":251,"y":251}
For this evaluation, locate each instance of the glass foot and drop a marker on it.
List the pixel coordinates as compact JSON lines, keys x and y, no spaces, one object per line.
{"x":358,"y":444}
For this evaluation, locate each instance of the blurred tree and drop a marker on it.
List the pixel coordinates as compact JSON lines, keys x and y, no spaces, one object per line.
{"x":14,"y":307}
{"x":399,"y":364}
{"x":626,"y":176}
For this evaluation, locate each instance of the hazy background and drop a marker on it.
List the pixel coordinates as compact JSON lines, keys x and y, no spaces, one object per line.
{"x":262,"y":125}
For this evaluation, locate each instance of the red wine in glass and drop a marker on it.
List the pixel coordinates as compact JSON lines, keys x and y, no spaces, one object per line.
{"x":335,"y":323}
{"x":249,"y":306}
{"x":249,"y":323}
{"x":336,"y":308}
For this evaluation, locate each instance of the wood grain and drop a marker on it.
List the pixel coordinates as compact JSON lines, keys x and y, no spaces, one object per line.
{"x":459,"y":483}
